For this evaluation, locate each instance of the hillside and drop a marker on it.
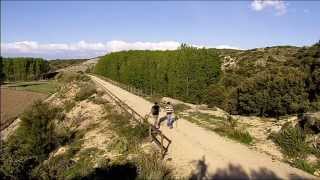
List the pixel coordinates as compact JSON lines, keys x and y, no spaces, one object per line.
{"x":78,"y":133}
{"x":95,"y":137}
{"x":272,"y":81}
{"x":63,"y":63}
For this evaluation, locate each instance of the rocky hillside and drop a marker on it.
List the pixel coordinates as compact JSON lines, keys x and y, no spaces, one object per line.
{"x":270,"y":81}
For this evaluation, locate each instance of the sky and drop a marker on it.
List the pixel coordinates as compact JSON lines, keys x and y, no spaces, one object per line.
{"x":83,"y":29}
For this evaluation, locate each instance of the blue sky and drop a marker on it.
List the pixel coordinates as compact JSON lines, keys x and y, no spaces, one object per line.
{"x":85,"y":29}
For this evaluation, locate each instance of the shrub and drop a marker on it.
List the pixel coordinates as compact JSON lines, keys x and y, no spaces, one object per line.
{"x":304,"y":165}
{"x":99,"y":100}
{"x":123,"y":127}
{"x":85,"y":91}
{"x":274,"y":92}
{"x":180,"y":107}
{"x":292,"y":142}
{"x":67,"y":77}
{"x":216,"y":96}
{"x":32,"y":142}
{"x":229,"y":129}
{"x":236,"y":134}
{"x":151,"y":166}
{"x":68,"y":105}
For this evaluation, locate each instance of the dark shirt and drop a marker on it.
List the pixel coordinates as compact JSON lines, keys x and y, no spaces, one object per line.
{"x":155,"y":110}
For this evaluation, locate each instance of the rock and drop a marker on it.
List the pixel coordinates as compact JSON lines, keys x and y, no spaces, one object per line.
{"x":309,"y":122}
{"x":61,"y":150}
{"x":312,"y":159}
{"x":175,"y":102}
{"x":164,"y":100}
{"x":275,"y":129}
{"x":317,"y":172}
{"x":131,"y":157}
{"x":202,"y":107}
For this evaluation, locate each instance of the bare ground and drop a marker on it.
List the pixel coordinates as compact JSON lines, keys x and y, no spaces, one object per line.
{"x":14,"y":102}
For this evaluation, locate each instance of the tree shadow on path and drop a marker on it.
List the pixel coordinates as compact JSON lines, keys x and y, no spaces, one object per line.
{"x":235,"y":172}
{"x":122,"y":172}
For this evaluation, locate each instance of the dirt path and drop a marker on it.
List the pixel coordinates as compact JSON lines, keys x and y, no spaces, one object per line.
{"x":205,"y":154}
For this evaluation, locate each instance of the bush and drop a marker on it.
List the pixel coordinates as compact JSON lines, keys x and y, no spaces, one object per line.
{"x":99,"y":100}
{"x":236,"y":134}
{"x":274,"y":92}
{"x":292,"y":142}
{"x":68,"y":105}
{"x":304,"y":165}
{"x":216,"y":96}
{"x":180,"y":107}
{"x":85,"y":91}
{"x":229,"y":129}
{"x":32,"y":142}
{"x":123,"y":127}
{"x":67,"y":77}
{"x":152,"y":167}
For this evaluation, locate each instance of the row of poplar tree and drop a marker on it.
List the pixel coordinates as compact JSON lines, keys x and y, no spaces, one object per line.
{"x":23,"y":69}
{"x":185,"y":73}
{"x":194,"y":75}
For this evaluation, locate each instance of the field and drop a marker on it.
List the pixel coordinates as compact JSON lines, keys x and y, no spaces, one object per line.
{"x":45,"y":87}
{"x":14,"y":102}
{"x":16,"y":97}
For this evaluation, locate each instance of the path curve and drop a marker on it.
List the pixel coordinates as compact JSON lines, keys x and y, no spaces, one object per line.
{"x":205,"y":153}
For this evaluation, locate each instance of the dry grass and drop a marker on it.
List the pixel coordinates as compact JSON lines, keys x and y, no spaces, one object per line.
{"x":14,"y":102}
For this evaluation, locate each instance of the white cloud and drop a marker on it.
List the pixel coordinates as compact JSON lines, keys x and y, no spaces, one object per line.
{"x":113,"y":46}
{"x":279,"y":5}
{"x":83,"y":49}
{"x":227,"y":47}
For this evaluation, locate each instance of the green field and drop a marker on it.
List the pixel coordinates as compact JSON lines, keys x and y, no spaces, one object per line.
{"x":46,"y":87}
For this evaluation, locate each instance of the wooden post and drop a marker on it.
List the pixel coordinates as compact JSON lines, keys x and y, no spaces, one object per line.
{"x":162,"y":147}
{"x":150,"y":133}
{"x":132,"y":115}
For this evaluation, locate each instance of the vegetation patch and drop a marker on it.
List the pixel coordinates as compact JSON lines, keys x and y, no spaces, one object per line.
{"x":86,"y":90}
{"x":63,"y":63}
{"x":130,"y":137}
{"x":183,"y":73}
{"x":274,"y":82}
{"x":14,"y":103}
{"x":151,"y":166}
{"x":68,"y":105}
{"x":67,"y":77}
{"x":236,"y":134}
{"x":99,"y":100}
{"x":305,"y":165}
{"x":292,"y":142}
{"x":180,"y":107}
{"x":23,"y":69}
{"x":225,"y":127}
{"x":133,"y":133}
{"x":48,"y":87}
{"x":32,"y":142}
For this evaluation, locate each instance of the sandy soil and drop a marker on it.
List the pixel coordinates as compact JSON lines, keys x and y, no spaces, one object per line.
{"x":81,"y":67}
{"x":205,"y":154}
